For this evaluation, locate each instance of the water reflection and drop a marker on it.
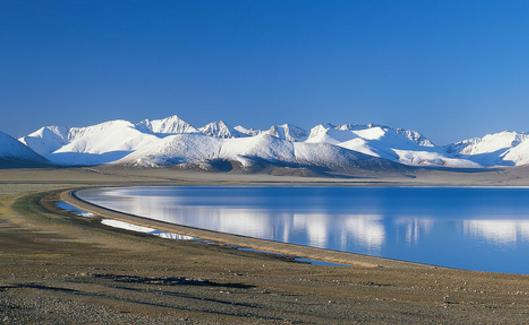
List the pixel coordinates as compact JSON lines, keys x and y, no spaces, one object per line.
{"x":503,"y":232}
{"x":414,"y":228}
{"x":482,"y":229}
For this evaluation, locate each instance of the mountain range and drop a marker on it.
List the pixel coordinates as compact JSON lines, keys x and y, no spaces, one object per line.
{"x":339,"y":148}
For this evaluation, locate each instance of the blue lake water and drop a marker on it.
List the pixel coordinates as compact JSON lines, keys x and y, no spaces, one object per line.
{"x":483,"y":229}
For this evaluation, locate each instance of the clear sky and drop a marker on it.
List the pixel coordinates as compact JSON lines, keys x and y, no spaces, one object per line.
{"x":450,"y":69}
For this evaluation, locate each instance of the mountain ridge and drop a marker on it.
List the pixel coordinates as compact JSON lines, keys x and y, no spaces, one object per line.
{"x":173,"y":141}
{"x":15,"y":154}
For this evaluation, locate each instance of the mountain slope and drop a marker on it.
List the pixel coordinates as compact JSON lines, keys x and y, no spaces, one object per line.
{"x":287,"y":132}
{"x":506,"y":148}
{"x":16,"y":154}
{"x":219,"y":129}
{"x":175,"y":149}
{"x":246,"y":131}
{"x":400,"y":145}
{"x":489,"y":143}
{"x":169,"y":125}
{"x":170,"y":141}
{"x":196,"y":149}
{"x":46,"y":139}
{"x":100,"y":144}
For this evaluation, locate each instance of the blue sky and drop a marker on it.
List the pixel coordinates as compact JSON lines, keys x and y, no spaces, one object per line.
{"x":450,"y":69}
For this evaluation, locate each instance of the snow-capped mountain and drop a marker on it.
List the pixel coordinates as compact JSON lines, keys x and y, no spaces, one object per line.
{"x":517,"y":155}
{"x":197,"y":150}
{"x":345,"y":132}
{"x":219,"y":129}
{"x":400,"y":145}
{"x":506,"y":148}
{"x":101,"y":143}
{"x":91,"y":145}
{"x":287,"y":132}
{"x":489,"y":143}
{"x":15,"y":154}
{"x":46,"y":140}
{"x":169,"y":125}
{"x":247,"y":131}
{"x":173,"y":141}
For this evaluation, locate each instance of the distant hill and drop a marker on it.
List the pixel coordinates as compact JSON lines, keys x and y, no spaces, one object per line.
{"x":14,"y":154}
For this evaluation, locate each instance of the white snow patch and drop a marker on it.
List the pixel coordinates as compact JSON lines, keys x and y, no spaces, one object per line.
{"x":146,"y":230}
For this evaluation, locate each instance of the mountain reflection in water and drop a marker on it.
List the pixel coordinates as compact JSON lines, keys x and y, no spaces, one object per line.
{"x":473,"y":228}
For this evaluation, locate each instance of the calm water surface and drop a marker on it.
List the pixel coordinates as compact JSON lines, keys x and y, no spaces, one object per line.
{"x":470,"y":228}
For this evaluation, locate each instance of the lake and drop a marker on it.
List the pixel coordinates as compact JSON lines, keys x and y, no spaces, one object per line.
{"x":484,"y":229}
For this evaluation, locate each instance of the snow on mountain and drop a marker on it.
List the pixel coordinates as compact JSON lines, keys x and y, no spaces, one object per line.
{"x":219,"y":129}
{"x":490,"y":143}
{"x":170,"y":125}
{"x":100,"y":143}
{"x":506,"y":148}
{"x":287,"y":132}
{"x":171,"y":141}
{"x":248,"y":151}
{"x":400,"y":145}
{"x":518,"y":155}
{"x":16,"y":154}
{"x":46,"y":139}
{"x":175,"y":149}
{"x":433,"y":159}
{"x":344,"y":132}
{"x":247,"y":131}
{"x":261,"y":146}
{"x":328,"y":133}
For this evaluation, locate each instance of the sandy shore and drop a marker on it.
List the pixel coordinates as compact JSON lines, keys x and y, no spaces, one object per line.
{"x":60,"y":268}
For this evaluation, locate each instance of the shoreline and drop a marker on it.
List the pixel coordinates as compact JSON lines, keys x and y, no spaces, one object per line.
{"x":275,"y":247}
{"x":240,"y":241}
{"x":312,"y":184}
{"x":61,"y":268}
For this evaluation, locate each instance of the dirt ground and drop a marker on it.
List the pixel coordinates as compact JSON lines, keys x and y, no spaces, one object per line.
{"x":57,"y":268}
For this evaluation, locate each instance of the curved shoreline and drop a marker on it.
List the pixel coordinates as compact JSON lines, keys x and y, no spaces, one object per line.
{"x":77,"y":270}
{"x":321,"y":254}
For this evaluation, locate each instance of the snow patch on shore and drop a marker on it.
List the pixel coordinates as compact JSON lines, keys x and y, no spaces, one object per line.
{"x":146,"y":230}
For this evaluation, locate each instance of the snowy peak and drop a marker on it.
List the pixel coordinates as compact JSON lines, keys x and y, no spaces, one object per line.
{"x":287,"y":132}
{"x":370,"y":132}
{"x":109,"y":136}
{"x":375,"y":132}
{"x":175,"y":150}
{"x":219,"y":129}
{"x":490,"y":143}
{"x":46,"y":139}
{"x":328,"y":133}
{"x":416,"y":137}
{"x":91,"y":145}
{"x":506,"y":148}
{"x":198,"y":150}
{"x":173,"y":141}
{"x":400,"y":145}
{"x":518,"y":155}
{"x":169,"y":125}
{"x":247,"y":131}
